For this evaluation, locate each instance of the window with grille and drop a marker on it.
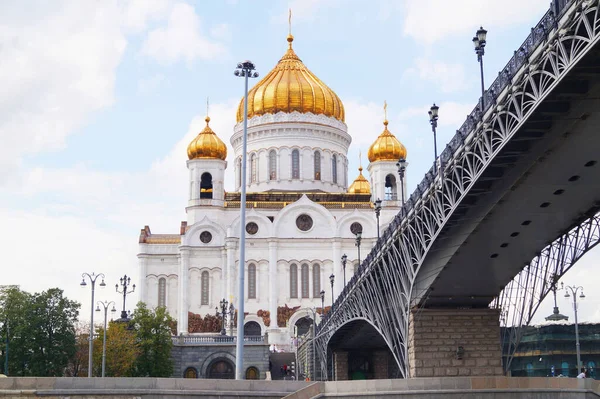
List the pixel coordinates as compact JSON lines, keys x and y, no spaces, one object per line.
{"x":305,"y":283}
{"x":253,"y":168}
{"x":334,"y":168}
{"x":293,"y":281}
{"x":204,"y":288}
{"x":316,"y":281}
{"x":317,"y":165}
{"x":272,"y":165}
{"x":252,"y":280}
{"x":162,"y":292}
{"x":295,"y":164}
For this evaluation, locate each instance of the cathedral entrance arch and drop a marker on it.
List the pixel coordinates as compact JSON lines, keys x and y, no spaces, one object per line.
{"x":303,"y":325}
{"x":206,"y":186}
{"x":221,"y":369}
{"x":252,"y":328}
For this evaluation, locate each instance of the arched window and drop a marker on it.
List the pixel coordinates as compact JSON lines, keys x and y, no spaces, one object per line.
{"x":316,"y":281}
{"x":239,"y":172}
{"x":253,"y":169}
{"x":295,"y":164}
{"x":303,"y":325}
{"x":204,"y":288}
{"x":206,"y":186}
{"x":334,"y":168}
{"x":190,"y":372}
{"x":317,"y":165}
{"x":293,"y":281}
{"x":391,"y":190}
{"x":564,"y":369}
{"x":305,"y":293}
{"x":252,"y":328}
{"x":272,"y":165}
{"x":252,"y":373}
{"x":222,"y":369}
{"x":162,"y":292}
{"x":251,"y":280}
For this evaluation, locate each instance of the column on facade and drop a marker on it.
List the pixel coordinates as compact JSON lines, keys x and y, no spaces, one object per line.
{"x":338,"y":271}
{"x":184,"y":263}
{"x":143,"y":261}
{"x":224,"y":272}
{"x":230,"y":247}
{"x":273,"y":283}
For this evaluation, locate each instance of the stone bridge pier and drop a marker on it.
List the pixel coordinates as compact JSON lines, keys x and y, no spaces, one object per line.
{"x":455,"y":342}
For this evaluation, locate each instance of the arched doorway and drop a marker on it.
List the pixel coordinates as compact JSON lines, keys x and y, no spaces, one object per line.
{"x":190,"y":372}
{"x":206,"y":186}
{"x":252,"y":328}
{"x":221,"y":369}
{"x":303,"y":325}
{"x":252,"y":373}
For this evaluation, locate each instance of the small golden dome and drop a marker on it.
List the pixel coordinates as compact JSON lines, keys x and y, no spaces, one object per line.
{"x":290,"y":87}
{"x":386,"y":147}
{"x":207,"y":145}
{"x":360,"y":185}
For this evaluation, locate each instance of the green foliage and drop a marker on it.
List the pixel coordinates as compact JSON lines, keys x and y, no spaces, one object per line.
{"x":121,"y":351}
{"x":153,"y":339}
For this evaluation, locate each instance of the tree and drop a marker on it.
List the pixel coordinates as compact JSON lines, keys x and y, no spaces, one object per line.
{"x":78,"y":364}
{"x":121,"y":351}
{"x":153,"y":340}
{"x":13,"y":335}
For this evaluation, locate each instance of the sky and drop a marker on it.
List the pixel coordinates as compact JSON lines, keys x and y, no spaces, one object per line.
{"x":99,"y":101}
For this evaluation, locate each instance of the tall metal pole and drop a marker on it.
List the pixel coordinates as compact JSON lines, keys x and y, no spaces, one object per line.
{"x":7,"y":327}
{"x":574,"y":291}
{"x":92,"y":278}
{"x":125,"y":281}
{"x":105,"y":304}
{"x":479,"y":41}
{"x":245,"y":69}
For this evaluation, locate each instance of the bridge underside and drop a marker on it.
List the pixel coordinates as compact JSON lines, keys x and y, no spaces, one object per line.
{"x":543,"y":182}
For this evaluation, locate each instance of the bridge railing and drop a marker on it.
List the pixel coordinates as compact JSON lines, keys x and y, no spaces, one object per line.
{"x":537,"y":35}
{"x":216,"y":339}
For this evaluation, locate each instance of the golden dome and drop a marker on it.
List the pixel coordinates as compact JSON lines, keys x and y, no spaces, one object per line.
{"x":290,"y":87}
{"x":360,"y":185}
{"x":207,"y":145}
{"x":386,"y":147}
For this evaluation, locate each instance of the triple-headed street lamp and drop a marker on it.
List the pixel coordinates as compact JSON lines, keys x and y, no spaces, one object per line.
{"x":223,"y":313}
{"x":344,"y":260}
{"x":401,"y":164}
{"x":125,"y":283}
{"x":93,"y":277}
{"x":105,"y":304}
{"x":479,"y":41}
{"x":377,"y":207}
{"x":574,"y":291}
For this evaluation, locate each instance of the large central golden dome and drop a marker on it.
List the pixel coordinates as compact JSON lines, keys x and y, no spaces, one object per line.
{"x":290,"y":87}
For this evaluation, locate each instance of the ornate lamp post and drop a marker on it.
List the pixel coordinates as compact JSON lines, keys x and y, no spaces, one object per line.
{"x":344,"y":260}
{"x":231,"y":314}
{"x":125,"y":282}
{"x":222,"y":314}
{"x":377,"y":208}
{"x":479,"y":42}
{"x":93,"y":277}
{"x":105,"y":304}
{"x":357,"y":244}
{"x":322,"y":293}
{"x":555,"y":316}
{"x":433,"y":118}
{"x":246,"y":70}
{"x":401,"y":164}
{"x":332,"y":280}
{"x":574,"y":291}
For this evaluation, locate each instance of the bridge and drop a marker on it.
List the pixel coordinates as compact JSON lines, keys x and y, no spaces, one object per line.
{"x":512,"y":203}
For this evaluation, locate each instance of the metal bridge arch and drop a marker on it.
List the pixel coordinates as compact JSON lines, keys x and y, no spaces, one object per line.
{"x":553,"y":48}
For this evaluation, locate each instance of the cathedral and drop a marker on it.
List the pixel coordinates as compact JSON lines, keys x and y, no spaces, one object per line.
{"x":302,"y":215}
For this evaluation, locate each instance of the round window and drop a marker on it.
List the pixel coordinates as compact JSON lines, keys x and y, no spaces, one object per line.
{"x":252,"y":228}
{"x":356,"y":228}
{"x":304,"y":222}
{"x":205,"y":237}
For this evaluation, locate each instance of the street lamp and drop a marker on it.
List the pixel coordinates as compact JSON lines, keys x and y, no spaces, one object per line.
{"x":344,"y":260}
{"x":357,"y":244}
{"x":377,"y":213}
{"x":322,"y":293}
{"x":574,"y":290}
{"x":433,"y":118}
{"x":246,"y":70}
{"x":222,"y":314}
{"x":479,"y":42}
{"x":92,"y":278}
{"x":555,"y":316}
{"x":331,"y":280}
{"x":125,"y":282}
{"x":105,"y":304}
{"x":231,"y":314}
{"x":401,"y":164}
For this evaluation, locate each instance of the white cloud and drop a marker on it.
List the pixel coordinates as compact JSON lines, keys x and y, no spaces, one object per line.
{"x":151,"y":83}
{"x":181,"y":39}
{"x":137,"y":13}
{"x":448,"y":77}
{"x":428,"y":21}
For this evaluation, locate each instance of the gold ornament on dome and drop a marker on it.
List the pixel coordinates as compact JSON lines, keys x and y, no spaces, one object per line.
{"x":207,"y":145}
{"x":360,"y":185}
{"x":290,"y":87}
{"x":386,"y":147}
